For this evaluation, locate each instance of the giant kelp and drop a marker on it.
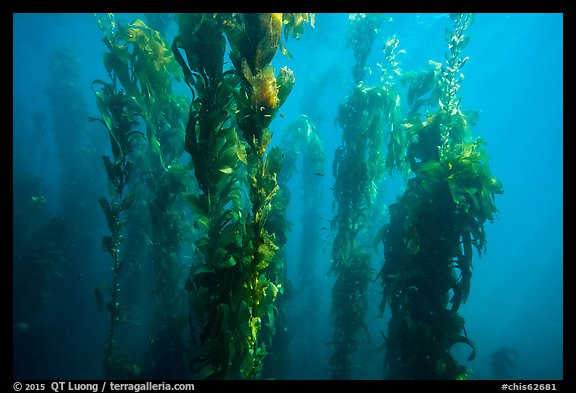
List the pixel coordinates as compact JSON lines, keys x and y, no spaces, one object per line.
{"x":140,"y":65}
{"x":233,"y":282}
{"x":434,"y":225}
{"x":358,"y":164}
{"x":254,"y":41}
{"x":76,"y":143}
{"x":218,"y":156}
{"x":304,"y":153}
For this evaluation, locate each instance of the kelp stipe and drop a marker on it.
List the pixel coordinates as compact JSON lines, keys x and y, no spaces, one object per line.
{"x":254,"y":40}
{"x":433,"y":226}
{"x":231,"y":283}
{"x":301,"y":141}
{"x":357,"y":166}
{"x":219,"y":158}
{"x":141,"y":63}
{"x":275,"y":331}
{"x":119,"y":114}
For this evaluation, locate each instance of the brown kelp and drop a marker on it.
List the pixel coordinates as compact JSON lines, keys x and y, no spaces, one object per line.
{"x":162,"y":180}
{"x":78,"y":155}
{"x":304,"y":149}
{"x":275,"y":332}
{"x":140,"y":64}
{"x":303,"y":152}
{"x":358,"y":164}
{"x":233,"y":282}
{"x":119,"y":115}
{"x":254,"y":41}
{"x":434,"y":225}
{"x":214,"y":286}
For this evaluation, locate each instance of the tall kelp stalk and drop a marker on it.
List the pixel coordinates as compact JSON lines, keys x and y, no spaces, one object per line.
{"x":300,"y":140}
{"x":34,"y":265}
{"x":275,"y":333}
{"x":219,"y":158}
{"x":77,"y":149}
{"x":434,"y":225}
{"x":140,"y":64}
{"x":231,"y":292}
{"x":169,"y":230}
{"x":303,"y":148}
{"x":357,"y":166}
{"x":119,"y":116}
{"x":162,"y":180}
{"x":254,"y":39}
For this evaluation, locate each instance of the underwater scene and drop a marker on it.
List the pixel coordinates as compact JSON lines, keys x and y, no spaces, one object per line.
{"x":287,"y":196}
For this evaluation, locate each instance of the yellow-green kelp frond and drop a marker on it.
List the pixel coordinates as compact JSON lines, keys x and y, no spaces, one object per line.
{"x":358,"y":166}
{"x":201,"y":36}
{"x":363,"y":120}
{"x":302,"y":137}
{"x":349,"y":305}
{"x":362,"y":31}
{"x":452,"y":76}
{"x":293,"y":25}
{"x":139,"y":56}
{"x":141,"y":60}
{"x":254,"y":39}
{"x":219,"y":313}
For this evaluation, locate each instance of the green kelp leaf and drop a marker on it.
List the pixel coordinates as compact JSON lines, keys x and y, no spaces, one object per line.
{"x":202,"y":223}
{"x":225,"y":183}
{"x":223,"y":320}
{"x":198,"y":203}
{"x":227,"y":263}
{"x":228,"y":229}
{"x":274,"y":161}
{"x":200,"y":297}
{"x":266,"y":251}
{"x":227,"y":158}
{"x":109,"y":214}
{"x":455,"y":16}
{"x":272,"y":319}
{"x":116,"y":63}
{"x":112,"y":170}
{"x":430,"y":169}
{"x":463,"y":41}
{"x":236,"y":196}
{"x":102,"y":105}
{"x":199,"y":269}
{"x":202,"y":247}
{"x":128,"y":200}
{"x":470,"y":343}
{"x":109,"y":245}
{"x":487,"y":206}
{"x":220,"y":258}
{"x":205,"y":372}
{"x":227,"y":170}
{"x":284,"y":51}
{"x":265,"y":140}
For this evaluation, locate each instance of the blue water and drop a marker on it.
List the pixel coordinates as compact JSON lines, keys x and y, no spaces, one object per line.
{"x":514,"y":79}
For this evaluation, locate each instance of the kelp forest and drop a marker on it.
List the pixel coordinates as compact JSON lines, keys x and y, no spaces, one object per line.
{"x":222,"y":219}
